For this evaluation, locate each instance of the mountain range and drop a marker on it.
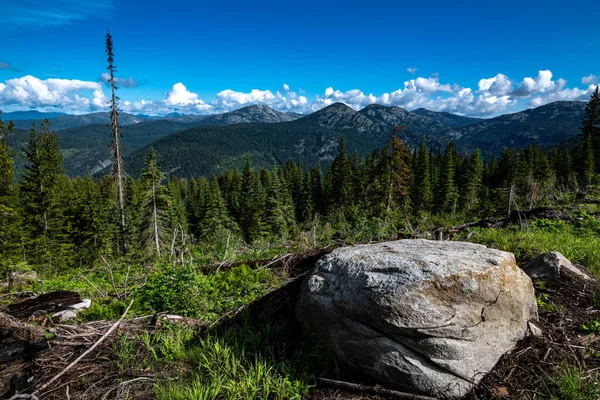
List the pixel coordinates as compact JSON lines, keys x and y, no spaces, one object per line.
{"x":191,"y":145}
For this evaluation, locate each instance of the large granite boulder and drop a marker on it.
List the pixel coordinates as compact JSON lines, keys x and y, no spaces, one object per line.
{"x":417,"y":315}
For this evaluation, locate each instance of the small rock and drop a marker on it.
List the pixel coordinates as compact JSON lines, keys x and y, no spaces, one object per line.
{"x":85,"y":303}
{"x":71,"y":312}
{"x":64,"y":316}
{"x":533,"y":329}
{"x":552,"y":265}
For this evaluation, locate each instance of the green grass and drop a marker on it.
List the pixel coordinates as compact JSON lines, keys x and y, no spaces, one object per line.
{"x":545,"y":303}
{"x":591,"y":327}
{"x":271,"y":360}
{"x":183,"y":291}
{"x":580,"y":243}
{"x":572,"y":383}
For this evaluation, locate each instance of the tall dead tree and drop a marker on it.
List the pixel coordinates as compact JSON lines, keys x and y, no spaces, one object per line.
{"x":117,"y":167}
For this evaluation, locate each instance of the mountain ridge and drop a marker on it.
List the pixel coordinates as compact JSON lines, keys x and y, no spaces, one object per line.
{"x":86,"y":148}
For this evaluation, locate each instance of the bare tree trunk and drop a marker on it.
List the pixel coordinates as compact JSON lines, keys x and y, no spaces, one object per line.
{"x":117,"y":170}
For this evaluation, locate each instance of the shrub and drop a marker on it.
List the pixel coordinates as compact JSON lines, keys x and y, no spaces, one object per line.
{"x":182,"y":291}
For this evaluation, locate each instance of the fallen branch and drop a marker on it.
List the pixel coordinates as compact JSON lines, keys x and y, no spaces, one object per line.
{"x":372,"y":389}
{"x":88,"y":351}
{"x":112,"y":279}
{"x":93,"y":287}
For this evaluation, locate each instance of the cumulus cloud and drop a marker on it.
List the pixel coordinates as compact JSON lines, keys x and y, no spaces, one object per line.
{"x":590,"y":80}
{"x":121,"y":82}
{"x":542,"y":83}
{"x":70,"y":94}
{"x":412,"y":70}
{"x":492,"y":96}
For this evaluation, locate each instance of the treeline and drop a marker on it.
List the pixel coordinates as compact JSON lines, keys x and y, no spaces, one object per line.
{"x":54,"y":222}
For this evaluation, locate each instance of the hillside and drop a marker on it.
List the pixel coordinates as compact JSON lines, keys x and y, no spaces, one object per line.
{"x":72,"y":121}
{"x":315,"y":137}
{"x":30,"y":115}
{"x":87,"y":148}
{"x":209,"y":149}
{"x":272,"y":137}
{"x":545,"y":126}
{"x":452,"y":120}
{"x":260,"y":114}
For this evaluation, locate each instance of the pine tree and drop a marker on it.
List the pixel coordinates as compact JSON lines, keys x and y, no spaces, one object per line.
{"x":448,"y":189}
{"x":421,"y":190}
{"x":473,"y":177}
{"x":156,"y":205}
{"x":214,"y":214}
{"x":316,"y":189}
{"x":397,"y":159}
{"x":40,"y":189}
{"x":251,"y":204}
{"x":585,"y":157}
{"x":339,"y":177}
{"x":134,"y":216}
{"x":276,"y":220}
{"x":90,"y":221}
{"x":117,"y":167}
{"x":589,"y":151}
{"x":9,"y":215}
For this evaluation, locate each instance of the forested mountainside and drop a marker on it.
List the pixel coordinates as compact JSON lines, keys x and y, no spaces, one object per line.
{"x":87,"y":149}
{"x":190,"y":144}
{"x":314,"y":138}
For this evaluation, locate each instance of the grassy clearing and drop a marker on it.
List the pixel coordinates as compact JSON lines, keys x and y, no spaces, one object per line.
{"x":273,"y":360}
{"x":578,"y":241}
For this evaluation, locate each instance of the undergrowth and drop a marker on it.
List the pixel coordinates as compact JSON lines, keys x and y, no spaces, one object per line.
{"x":183,"y":291}
{"x":578,"y":241}
{"x":272,"y":360}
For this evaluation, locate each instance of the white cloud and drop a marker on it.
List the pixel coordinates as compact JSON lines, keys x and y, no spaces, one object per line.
{"x":590,"y":80}
{"x":428,"y":85}
{"x":412,"y":70}
{"x":542,"y":83}
{"x":29,"y":91}
{"x":179,"y":95}
{"x":499,"y":85}
{"x":492,"y":96}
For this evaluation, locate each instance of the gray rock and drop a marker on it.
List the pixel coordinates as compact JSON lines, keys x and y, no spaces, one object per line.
{"x":21,"y":279}
{"x":424,"y":316}
{"x":533,"y":329}
{"x":551,"y":265}
{"x":85,"y":303}
{"x":72,"y":312}
{"x":64,"y":316}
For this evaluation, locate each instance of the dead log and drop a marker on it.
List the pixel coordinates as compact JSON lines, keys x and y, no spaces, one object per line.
{"x":514,"y":218}
{"x":49,"y":302}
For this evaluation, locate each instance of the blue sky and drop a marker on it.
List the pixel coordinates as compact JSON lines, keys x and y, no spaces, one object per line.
{"x":199,"y":57}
